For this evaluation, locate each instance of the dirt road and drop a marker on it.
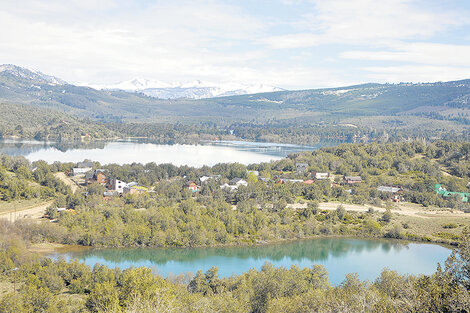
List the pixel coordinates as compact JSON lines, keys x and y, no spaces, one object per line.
{"x":66,"y":180}
{"x":403,"y":209}
{"x":35,"y":212}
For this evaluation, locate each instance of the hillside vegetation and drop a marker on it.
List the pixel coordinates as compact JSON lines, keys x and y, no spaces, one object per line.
{"x":18,"y":120}
{"x":408,"y":104}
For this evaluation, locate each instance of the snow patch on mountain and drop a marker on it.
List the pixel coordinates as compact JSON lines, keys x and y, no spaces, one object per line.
{"x":30,"y":74}
{"x":189,"y":90}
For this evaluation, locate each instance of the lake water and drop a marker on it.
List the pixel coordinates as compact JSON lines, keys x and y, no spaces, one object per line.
{"x":340,"y":256}
{"x":125,"y":152}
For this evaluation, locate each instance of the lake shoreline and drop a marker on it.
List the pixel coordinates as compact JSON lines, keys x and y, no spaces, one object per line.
{"x":51,"y":248}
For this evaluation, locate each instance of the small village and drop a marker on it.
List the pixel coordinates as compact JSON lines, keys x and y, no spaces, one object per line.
{"x":84,"y":174}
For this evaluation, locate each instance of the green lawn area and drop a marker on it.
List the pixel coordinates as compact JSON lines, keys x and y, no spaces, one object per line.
{"x":19,"y":205}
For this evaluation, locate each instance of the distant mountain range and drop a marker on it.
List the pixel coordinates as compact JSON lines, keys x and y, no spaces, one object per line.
{"x":190,"y":90}
{"x":393,"y":105}
{"x":33,"y":75}
{"x":152,"y":88}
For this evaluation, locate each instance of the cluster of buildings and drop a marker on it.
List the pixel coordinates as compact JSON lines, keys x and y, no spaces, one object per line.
{"x":85,"y":172}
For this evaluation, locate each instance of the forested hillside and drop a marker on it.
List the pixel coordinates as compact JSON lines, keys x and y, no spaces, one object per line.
{"x":389,"y":106}
{"x":24,"y":121}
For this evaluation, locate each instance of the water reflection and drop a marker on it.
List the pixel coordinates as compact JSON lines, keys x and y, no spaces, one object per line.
{"x":143,"y":151}
{"x":339,"y":256}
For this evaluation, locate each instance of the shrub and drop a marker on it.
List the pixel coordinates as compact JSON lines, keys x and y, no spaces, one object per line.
{"x":450,"y":226}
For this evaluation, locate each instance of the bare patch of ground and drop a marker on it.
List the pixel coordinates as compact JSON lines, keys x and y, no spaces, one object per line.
{"x":50,"y":247}
{"x":408,"y":209}
{"x":35,"y":212}
{"x":7,"y":207}
{"x":67,"y":180}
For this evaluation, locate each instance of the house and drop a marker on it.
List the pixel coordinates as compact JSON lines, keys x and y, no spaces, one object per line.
{"x":97,"y":176}
{"x":309,"y":181}
{"x":192,"y":186}
{"x":117,"y":185}
{"x":320,"y":176}
{"x":288,"y":180}
{"x":81,"y":171}
{"x":264,"y":179}
{"x":301,"y":167}
{"x":352,"y":179}
{"x":100,"y":177}
{"x":293,"y":181}
{"x":234,"y":183}
{"x":89,"y":178}
{"x":395,"y":197}
{"x":389,"y":189}
{"x":238,"y":182}
{"x":205,"y":179}
{"x":135,"y":190}
{"x":227,"y":186}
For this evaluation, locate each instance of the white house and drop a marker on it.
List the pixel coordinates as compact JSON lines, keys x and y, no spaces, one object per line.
{"x":118,"y":185}
{"x":238,"y":182}
{"x":234,"y":184}
{"x":81,"y":171}
{"x":321,"y":176}
{"x":205,"y":179}
{"x":389,"y":189}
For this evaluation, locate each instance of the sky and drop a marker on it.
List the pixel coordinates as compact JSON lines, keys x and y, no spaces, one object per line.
{"x":291,"y":44}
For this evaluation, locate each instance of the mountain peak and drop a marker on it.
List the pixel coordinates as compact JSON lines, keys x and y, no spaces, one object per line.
{"x":196,"y":89}
{"x":25,"y":73}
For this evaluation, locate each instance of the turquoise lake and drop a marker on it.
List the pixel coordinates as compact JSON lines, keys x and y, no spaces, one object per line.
{"x":340,"y":256}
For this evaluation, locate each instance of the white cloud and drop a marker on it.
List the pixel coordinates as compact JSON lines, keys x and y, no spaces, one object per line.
{"x":106,"y":41}
{"x":415,"y":73}
{"x":166,"y":40}
{"x":292,"y":41}
{"x":422,"y":53}
{"x":366,"y":22}
{"x":363,"y":20}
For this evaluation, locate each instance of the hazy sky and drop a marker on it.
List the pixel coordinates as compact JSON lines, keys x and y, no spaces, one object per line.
{"x":284,"y":43}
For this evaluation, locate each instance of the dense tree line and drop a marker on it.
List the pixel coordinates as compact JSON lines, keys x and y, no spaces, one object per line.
{"x":208,"y":223}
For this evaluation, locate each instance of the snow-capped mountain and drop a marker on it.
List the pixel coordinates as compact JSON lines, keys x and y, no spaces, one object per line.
{"x":189,"y":90}
{"x":22,"y":72}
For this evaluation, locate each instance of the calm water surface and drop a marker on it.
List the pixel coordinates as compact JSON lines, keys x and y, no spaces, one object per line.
{"x":340,"y":256}
{"x":125,"y":152}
